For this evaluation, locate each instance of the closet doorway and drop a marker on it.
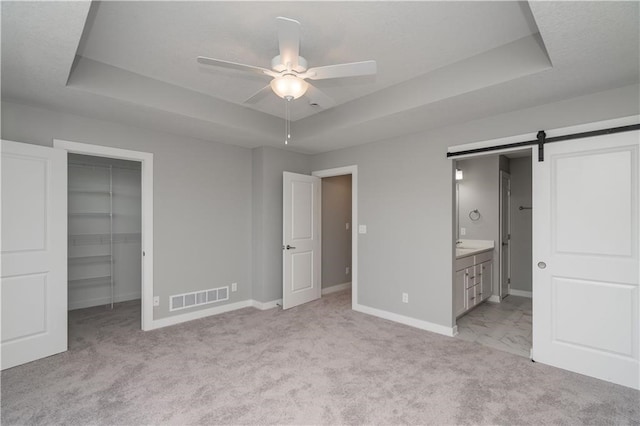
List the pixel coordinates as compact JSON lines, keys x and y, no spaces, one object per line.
{"x":110,"y":226}
{"x":104,"y":231}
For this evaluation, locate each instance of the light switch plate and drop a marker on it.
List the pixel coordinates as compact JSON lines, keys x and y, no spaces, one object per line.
{"x":362,"y":229}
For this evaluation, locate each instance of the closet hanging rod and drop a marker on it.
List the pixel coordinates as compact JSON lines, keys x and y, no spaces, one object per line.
{"x":100,"y":166}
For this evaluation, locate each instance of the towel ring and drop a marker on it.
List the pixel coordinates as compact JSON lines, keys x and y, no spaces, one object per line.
{"x":474,"y":215}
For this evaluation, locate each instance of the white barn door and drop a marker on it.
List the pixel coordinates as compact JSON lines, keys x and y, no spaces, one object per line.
{"x":301,"y":254}
{"x":33,"y":287}
{"x":586,"y":257}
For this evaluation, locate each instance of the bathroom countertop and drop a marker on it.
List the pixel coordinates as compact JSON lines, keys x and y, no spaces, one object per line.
{"x":472,"y":247}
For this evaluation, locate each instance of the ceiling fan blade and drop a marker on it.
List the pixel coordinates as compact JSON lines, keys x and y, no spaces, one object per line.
{"x":234,"y":65}
{"x":259,"y":95}
{"x":319,"y":98}
{"x":288,"y":40}
{"x":341,"y":70}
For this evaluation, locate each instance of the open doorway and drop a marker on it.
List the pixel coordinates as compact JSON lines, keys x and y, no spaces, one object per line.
{"x":345,"y":190}
{"x":104,"y":244}
{"x":336,"y":234}
{"x":492,"y":286}
{"x":136,"y":227}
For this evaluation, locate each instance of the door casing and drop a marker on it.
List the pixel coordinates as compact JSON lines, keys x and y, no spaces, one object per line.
{"x":353,"y":171}
{"x":504,"y":250}
{"x":146,"y":160}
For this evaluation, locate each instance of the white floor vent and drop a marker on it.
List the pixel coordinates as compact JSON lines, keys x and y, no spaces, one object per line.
{"x":196,"y":298}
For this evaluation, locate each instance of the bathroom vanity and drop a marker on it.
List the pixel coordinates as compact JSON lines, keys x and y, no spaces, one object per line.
{"x":474,"y":274}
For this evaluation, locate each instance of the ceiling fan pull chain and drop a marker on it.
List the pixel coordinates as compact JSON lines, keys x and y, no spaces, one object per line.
{"x":287,"y":120}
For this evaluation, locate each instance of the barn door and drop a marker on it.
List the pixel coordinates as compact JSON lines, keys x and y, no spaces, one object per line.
{"x":585,"y":272}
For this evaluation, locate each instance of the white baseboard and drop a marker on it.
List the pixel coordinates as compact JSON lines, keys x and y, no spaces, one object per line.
{"x":336,"y":288}
{"x":423,"y":325}
{"x":88,"y":303}
{"x":201,"y":313}
{"x":216,"y":310}
{"x":263,"y":306}
{"x":494,"y":299}
{"x":521,"y":293}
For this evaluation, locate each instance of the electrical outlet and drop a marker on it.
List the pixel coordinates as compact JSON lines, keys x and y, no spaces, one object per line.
{"x":463,"y":231}
{"x":156,"y":301}
{"x":405,"y":297}
{"x":346,"y":271}
{"x":234,"y":286}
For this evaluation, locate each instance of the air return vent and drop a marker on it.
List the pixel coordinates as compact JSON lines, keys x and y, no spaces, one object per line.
{"x":196,"y":298}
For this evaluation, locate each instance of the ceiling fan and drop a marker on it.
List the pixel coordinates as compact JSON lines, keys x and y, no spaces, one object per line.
{"x":289,"y":70}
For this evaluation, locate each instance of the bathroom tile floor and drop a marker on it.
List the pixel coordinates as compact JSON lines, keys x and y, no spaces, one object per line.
{"x":505,"y":326}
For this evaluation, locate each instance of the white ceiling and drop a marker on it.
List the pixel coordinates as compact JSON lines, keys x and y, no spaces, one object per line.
{"x":439,"y":63}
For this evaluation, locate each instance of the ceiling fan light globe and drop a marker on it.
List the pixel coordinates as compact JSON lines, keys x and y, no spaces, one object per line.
{"x":289,"y":86}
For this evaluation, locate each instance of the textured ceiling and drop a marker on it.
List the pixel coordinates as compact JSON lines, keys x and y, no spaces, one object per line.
{"x":439,"y":63}
{"x":141,"y":37}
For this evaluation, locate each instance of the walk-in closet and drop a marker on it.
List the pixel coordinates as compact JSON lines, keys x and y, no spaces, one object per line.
{"x":104,"y":231}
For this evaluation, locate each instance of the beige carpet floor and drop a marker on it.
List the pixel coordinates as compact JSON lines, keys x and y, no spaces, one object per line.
{"x":319,"y":363}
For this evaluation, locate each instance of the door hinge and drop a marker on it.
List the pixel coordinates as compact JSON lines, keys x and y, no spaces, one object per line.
{"x":508,"y":280}
{"x":144,"y":253}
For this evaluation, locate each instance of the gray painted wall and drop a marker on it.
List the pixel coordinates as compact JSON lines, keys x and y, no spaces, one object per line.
{"x":480,"y":189}
{"x":504,"y":164}
{"x":521,"y":220}
{"x":268,"y":165}
{"x":405,"y":197}
{"x":202,"y":198}
{"x":336,"y":238}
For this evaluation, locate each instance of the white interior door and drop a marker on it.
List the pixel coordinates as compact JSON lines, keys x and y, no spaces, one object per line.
{"x":505,"y":234}
{"x":585,"y":272}
{"x":34,"y":252}
{"x":301,"y":239}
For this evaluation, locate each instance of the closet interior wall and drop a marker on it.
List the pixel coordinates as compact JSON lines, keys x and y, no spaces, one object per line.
{"x":104,"y":231}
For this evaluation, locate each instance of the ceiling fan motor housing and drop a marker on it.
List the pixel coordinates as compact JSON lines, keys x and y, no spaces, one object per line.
{"x":278,"y":65}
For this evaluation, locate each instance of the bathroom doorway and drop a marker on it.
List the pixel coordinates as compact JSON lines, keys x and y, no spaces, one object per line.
{"x":493,"y":276}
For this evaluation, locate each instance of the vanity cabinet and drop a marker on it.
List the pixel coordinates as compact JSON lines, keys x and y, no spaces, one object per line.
{"x":473,"y":281}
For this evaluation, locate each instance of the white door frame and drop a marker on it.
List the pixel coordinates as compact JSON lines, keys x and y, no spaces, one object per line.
{"x":353,"y":171}
{"x":146,"y":160}
{"x":501,"y":248}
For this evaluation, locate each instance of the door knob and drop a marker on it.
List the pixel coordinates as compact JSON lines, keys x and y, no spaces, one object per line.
{"x":542,"y":265}
{"x":288,"y":247}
